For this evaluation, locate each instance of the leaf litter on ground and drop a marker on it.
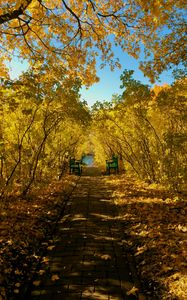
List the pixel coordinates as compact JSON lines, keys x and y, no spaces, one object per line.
{"x":153,"y":223}
{"x":154,"y":226}
{"x":25,"y":232}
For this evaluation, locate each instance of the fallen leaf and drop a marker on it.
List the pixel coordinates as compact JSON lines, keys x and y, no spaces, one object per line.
{"x":133,"y":291}
{"x":55,"y":277}
{"x":45,"y":260}
{"x":41,"y":272}
{"x":106,"y":257}
{"x":50,"y":247}
{"x":36,"y":282}
{"x":18,"y":284}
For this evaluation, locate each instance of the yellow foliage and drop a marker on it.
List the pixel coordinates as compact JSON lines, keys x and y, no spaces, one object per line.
{"x":61,"y":29}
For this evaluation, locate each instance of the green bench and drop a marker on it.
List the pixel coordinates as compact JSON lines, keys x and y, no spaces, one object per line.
{"x":112,"y":164}
{"x":75,"y":166}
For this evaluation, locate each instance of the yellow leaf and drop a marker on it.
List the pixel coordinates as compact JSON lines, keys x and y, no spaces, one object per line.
{"x":106,"y":257}
{"x":50,"y":247}
{"x":55,"y":277}
{"x":45,"y":260}
{"x":18,"y":284}
{"x":36,"y":282}
{"x":133,"y":291}
{"x":41,"y":272}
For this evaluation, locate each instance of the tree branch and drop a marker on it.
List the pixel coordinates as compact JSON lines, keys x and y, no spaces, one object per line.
{"x":75,"y":16}
{"x":15,"y":13}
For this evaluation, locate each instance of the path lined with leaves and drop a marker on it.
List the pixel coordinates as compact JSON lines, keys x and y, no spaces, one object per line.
{"x":81,"y":238}
{"x":87,"y":260}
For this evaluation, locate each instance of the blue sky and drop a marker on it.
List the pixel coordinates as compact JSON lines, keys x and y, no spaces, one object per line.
{"x":109,"y":81}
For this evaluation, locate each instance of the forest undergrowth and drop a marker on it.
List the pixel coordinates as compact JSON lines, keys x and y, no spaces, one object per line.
{"x":153,"y":222}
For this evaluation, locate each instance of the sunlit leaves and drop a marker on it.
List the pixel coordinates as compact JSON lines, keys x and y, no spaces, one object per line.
{"x":42,"y":121}
{"x":146,"y":129}
{"x":153,"y":233}
{"x":76,"y":32}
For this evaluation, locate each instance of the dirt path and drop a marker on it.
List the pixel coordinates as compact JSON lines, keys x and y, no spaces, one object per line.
{"x":88,"y":261}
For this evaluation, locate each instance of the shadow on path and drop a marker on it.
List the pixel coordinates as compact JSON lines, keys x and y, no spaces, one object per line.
{"x":88,"y":261}
{"x":91,"y":171}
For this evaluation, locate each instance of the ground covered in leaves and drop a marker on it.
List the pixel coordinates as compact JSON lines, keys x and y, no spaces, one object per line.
{"x":152,"y":221}
{"x":27,"y":227}
{"x":154,"y":225}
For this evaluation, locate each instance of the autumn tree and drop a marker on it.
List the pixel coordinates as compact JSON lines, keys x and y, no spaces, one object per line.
{"x":168,"y":116}
{"x":147,"y":129}
{"x":42,"y":122}
{"x":74,"y":33}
